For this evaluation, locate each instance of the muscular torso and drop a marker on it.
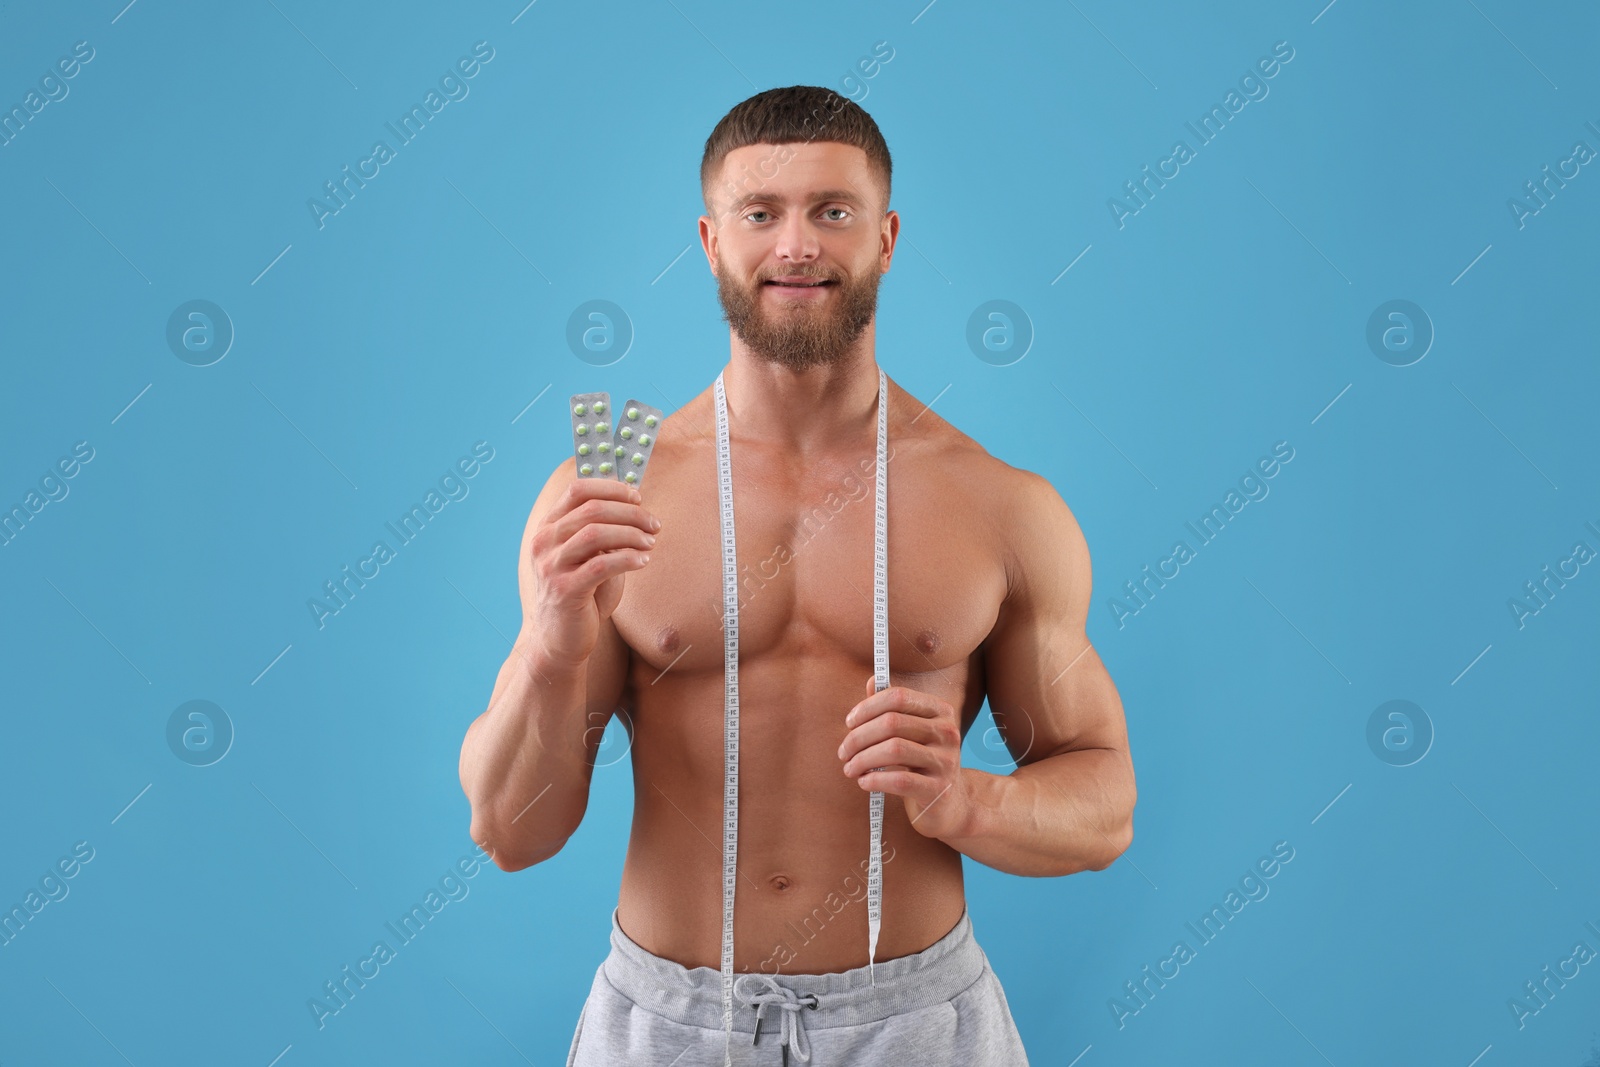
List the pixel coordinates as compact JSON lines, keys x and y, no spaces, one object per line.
{"x":804,"y":541}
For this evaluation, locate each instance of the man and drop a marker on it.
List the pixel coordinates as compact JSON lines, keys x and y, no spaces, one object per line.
{"x":625,"y":599}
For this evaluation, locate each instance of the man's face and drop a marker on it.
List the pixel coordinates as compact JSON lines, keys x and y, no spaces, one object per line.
{"x":789,"y":217}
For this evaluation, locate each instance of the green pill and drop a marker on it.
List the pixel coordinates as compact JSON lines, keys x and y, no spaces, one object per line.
{"x":581,"y":429}
{"x":605,"y":468}
{"x":650,"y":421}
{"x":630,"y":477}
{"x":580,"y":410}
{"x":602,"y":427}
{"x":586,"y":469}
{"x":633,"y":413}
{"x":644,"y":440}
{"x":626,"y":433}
{"x":638,"y":458}
{"x":599,"y":407}
{"x":583,"y":449}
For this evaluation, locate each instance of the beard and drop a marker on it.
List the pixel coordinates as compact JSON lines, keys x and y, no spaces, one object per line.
{"x":799,"y":334}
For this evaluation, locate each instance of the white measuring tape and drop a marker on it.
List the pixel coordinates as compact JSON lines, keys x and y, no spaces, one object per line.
{"x":730,"y":630}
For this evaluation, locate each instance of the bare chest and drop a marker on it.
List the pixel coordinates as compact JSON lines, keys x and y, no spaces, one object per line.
{"x":804,"y":543}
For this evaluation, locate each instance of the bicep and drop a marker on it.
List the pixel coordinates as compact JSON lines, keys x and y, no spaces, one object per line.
{"x":1048,"y":689}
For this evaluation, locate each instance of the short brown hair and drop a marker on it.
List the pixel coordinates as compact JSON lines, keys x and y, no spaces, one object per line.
{"x":797,"y":113}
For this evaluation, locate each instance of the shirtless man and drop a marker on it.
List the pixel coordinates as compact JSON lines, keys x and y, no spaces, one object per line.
{"x":623,"y":602}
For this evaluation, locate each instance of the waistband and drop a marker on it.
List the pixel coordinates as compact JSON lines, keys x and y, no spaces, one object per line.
{"x":693,"y":996}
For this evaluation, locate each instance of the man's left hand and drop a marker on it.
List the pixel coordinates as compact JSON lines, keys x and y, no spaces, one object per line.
{"x":915,"y":738}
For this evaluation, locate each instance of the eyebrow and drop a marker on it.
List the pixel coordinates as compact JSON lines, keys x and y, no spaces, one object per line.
{"x":824,"y":195}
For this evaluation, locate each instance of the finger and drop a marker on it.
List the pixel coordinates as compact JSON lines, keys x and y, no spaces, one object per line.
{"x":621,"y":512}
{"x":911,"y":784}
{"x":893,"y":724}
{"x":895,"y":698}
{"x":587,"y":578}
{"x":597,"y":538}
{"x":894,"y":751}
{"x":582,"y":490}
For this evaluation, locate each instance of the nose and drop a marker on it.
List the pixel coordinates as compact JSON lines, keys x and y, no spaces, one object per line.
{"x":797,"y":239}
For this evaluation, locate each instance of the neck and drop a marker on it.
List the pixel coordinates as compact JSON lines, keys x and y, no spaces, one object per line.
{"x":803,"y":411}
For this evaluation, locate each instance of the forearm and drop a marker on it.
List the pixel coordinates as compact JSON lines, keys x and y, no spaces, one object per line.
{"x":1060,"y":815}
{"x":524,"y":762}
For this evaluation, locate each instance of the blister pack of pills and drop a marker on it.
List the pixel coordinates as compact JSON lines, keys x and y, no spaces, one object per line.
{"x":613,"y":442}
{"x":635,"y":439}
{"x":591,"y":435}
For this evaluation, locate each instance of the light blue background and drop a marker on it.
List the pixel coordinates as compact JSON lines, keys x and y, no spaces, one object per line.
{"x":1227,"y":315}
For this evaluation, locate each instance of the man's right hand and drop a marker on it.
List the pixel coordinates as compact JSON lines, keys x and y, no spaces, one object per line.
{"x":580,"y":552}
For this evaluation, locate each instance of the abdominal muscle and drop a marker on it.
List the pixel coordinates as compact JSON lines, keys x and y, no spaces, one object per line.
{"x":800,"y":904}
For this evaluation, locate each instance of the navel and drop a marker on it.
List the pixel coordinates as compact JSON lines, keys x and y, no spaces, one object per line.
{"x":780,"y":882}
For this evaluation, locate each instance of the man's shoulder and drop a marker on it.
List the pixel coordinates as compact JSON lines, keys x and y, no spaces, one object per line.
{"x":958,"y":460}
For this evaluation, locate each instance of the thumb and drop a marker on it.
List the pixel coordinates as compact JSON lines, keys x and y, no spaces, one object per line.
{"x":871,"y":680}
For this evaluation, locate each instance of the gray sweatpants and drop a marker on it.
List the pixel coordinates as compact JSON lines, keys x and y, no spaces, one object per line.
{"x":941,"y":1007}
